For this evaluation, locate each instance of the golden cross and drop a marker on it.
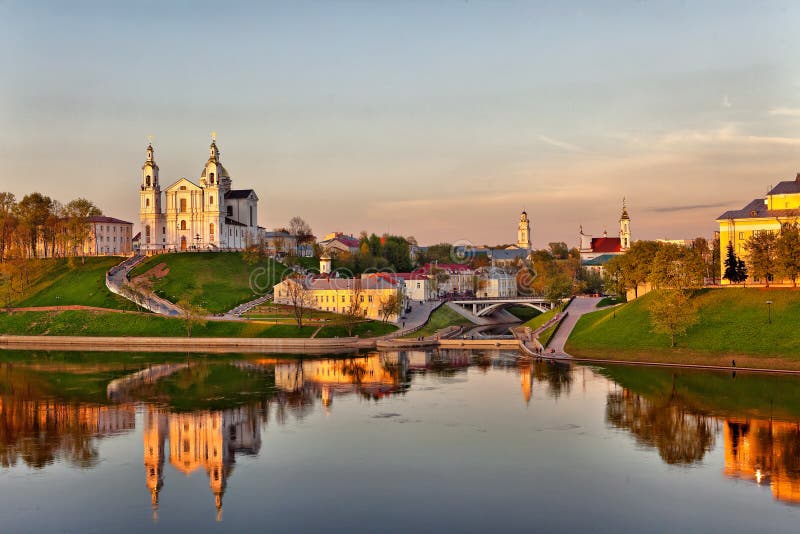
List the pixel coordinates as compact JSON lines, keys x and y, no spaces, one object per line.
{"x":150,"y":139}
{"x":213,"y":136}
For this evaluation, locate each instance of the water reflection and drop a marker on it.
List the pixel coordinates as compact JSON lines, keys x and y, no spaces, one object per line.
{"x":199,"y":440}
{"x":198,"y":416}
{"x":765,"y":452}
{"x":681,"y":436}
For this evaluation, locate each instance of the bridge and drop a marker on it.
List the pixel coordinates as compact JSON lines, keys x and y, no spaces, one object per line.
{"x":481,"y":307}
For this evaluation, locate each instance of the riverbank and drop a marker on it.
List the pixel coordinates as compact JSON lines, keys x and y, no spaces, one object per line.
{"x":732,"y":324}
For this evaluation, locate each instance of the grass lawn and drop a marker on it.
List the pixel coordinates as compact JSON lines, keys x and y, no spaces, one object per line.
{"x":732,"y":323}
{"x":547,"y":334}
{"x":542,"y":318}
{"x":523,"y":313}
{"x":68,"y":281}
{"x":90,"y":323}
{"x":441,"y":318}
{"x":215,"y":281}
{"x":608,"y":301}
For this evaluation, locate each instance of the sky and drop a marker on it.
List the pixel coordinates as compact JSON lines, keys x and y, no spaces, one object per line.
{"x":435,"y":119}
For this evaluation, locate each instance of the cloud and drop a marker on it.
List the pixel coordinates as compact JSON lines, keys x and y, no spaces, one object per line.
{"x":728,"y":134}
{"x":726,"y":102}
{"x":785,"y":112}
{"x":689,"y":207}
{"x":559,"y":144}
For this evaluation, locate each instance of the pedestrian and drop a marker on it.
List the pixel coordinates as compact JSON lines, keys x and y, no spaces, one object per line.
{"x":733,"y":363}
{"x":404,"y":324}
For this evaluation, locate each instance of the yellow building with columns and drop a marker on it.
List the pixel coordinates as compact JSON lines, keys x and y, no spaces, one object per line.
{"x":781,"y":205}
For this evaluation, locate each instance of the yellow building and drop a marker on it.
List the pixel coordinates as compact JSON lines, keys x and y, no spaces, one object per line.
{"x":781,"y":205}
{"x":338,"y":295}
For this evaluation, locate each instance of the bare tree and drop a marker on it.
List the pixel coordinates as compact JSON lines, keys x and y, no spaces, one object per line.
{"x":354,"y":312}
{"x":390,"y":305}
{"x":299,"y":298}
{"x":300,"y":229}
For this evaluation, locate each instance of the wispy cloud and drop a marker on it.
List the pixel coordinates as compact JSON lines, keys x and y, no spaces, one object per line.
{"x":785,"y":112}
{"x":726,"y":102}
{"x":727,"y":134}
{"x":559,"y":144}
{"x":689,"y":207}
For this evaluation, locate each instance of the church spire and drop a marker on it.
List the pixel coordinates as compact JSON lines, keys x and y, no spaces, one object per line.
{"x":213,"y":151}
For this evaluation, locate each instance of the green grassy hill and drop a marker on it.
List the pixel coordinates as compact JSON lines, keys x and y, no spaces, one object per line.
{"x":732,"y":323}
{"x":68,"y":281}
{"x":216,"y":281}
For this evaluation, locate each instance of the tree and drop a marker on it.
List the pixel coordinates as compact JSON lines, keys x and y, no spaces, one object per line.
{"x":390,"y":305}
{"x":672,"y":312}
{"x":299,"y":298}
{"x":716,"y":259}
{"x":78,"y":229}
{"x":301,"y":230}
{"x":192,"y":316}
{"x":8,"y":222}
{"x":637,"y":264}
{"x":33,"y":212}
{"x":734,"y":267}
{"x":354,"y":312}
{"x":559,"y":250}
{"x":762,"y":254}
{"x":677,"y":267}
{"x":787,"y":251}
{"x":439,"y":277}
{"x":612,"y":277}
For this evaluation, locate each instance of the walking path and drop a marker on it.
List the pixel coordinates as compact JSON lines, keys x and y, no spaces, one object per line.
{"x":117,"y":280}
{"x":578,"y":307}
{"x":415,"y":319}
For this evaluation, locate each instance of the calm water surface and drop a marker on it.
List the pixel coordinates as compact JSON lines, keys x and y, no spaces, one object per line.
{"x":454,"y":441}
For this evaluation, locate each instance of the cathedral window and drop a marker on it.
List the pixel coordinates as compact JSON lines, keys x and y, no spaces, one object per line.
{"x":147,"y":180}
{"x":183,"y":205}
{"x":147,"y":202}
{"x":211,"y":200}
{"x":211,"y":230}
{"x":147,"y":234}
{"x":183,"y":225}
{"x":212,"y":177}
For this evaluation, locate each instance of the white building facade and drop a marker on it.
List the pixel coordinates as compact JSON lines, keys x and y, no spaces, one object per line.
{"x":208,"y":216}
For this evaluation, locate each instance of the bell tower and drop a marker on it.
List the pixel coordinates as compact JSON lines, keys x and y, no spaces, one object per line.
{"x":624,"y":228}
{"x":149,"y":200}
{"x":524,"y":232}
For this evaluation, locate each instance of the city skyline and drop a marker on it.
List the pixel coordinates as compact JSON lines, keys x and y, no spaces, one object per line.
{"x":359,"y":116}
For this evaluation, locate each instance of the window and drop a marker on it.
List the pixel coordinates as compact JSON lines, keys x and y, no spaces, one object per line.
{"x":741,"y":235}
{"x":212,"y":177}
{"x":211,"y":200}
{"x":147,"y":234}
{"x":211,"y":230}
{"x":183,"y":205}
{"x":183,"y":188}
{"x":183,"y":225}
{"x":230,"y":211}
{"x":147,"y":202}
{"x":369,"y":298}
{"x":163,"y":230}
{"x":251,"y":215}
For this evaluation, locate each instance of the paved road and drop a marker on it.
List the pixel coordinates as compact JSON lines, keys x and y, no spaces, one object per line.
{"x":578,"y":307}
{"x":416,"y":317}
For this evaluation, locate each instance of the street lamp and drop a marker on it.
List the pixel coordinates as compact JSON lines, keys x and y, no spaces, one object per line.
{"x":769,"y":312}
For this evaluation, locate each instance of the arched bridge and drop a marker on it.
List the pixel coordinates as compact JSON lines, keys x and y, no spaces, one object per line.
{"x":486,"y":306}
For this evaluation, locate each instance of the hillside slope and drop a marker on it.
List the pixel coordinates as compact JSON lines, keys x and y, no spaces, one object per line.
{"x":732,"y":323}
{"x":216,"y":281}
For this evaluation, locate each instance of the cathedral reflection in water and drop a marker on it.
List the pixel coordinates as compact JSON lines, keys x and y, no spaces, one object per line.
{"x":38,"y":430}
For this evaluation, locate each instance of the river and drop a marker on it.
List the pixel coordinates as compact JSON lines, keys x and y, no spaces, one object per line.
{"x":456,"y":441}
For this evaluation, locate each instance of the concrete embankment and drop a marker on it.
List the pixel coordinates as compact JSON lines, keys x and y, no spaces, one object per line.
{"x":177,"y":344}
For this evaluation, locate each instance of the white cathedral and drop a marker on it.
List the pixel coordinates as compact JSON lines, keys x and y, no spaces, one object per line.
{"x":209,"y":216}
